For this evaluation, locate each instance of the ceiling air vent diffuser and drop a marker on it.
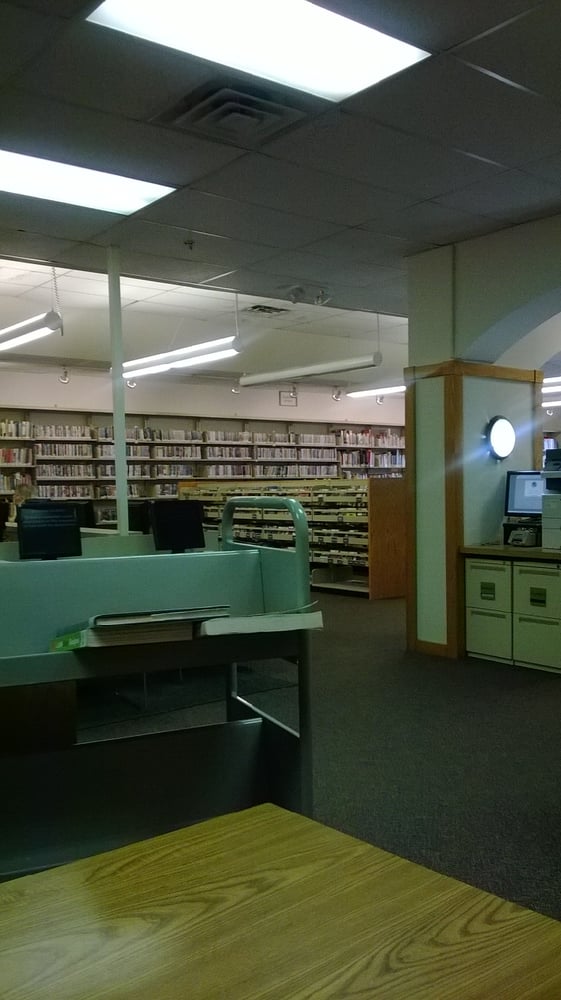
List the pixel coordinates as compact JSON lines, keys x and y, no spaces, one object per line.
{"x":231,"y":115}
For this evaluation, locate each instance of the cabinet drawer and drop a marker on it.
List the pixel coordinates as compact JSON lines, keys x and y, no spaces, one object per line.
{"x":488,"y":584}
{"x":537,"y":590}
{"x":489,"y":633}
{"x":536,"y":640}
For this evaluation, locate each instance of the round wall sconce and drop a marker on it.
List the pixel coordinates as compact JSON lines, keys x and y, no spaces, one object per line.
{"x":501,"y":437}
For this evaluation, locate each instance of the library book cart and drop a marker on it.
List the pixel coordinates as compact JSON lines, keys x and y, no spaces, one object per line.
{"x":63,"y":800}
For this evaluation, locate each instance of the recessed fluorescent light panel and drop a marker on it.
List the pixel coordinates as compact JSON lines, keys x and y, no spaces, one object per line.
{"x":291,"y":42}
{"x":390,"y":390}
{"x":62,"y":182}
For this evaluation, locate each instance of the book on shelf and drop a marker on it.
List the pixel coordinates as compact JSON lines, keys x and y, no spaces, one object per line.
{"x":288,"y":621}
{"x":133,"y":628}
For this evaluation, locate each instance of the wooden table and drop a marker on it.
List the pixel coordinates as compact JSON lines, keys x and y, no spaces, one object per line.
{"x":266,"y":904}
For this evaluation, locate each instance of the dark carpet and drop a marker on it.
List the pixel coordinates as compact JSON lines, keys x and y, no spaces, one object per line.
{"x":453,"y":764}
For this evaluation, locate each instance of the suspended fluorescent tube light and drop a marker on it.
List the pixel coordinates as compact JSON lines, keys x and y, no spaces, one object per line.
{"x":550,"y":388}
{"x":390,"y":390}
{"x":324,"y":368}
{"x":207,"y":346}
{"x":200,"y":359}
{"x":71,"y":185}
{"x":30,"y":329}
{"x":551,"y":402}
{"x":292,"y":42}
{"x":551,"y":379}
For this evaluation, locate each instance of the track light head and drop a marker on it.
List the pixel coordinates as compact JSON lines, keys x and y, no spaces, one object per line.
{"x":64,"y":377}
{"x":336,"y":395}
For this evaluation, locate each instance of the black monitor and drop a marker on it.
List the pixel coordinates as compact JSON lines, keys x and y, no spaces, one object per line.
{"x":177,"y":525}
{"x":523,"y":495}
{"x":48,"y":530}
{"x":85,"y":512}
{"x":139,"y":516}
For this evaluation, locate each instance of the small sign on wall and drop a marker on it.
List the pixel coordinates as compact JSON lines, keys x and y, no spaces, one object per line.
{"x":287,"y":398}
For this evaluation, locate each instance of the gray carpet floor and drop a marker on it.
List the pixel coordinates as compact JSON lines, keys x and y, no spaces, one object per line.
{"x":453,"y":764}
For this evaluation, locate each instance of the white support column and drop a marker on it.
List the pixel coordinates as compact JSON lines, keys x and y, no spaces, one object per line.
{"x":118,"y":387}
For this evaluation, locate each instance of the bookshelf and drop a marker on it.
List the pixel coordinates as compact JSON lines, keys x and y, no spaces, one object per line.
{"x":357,"y":527}
{"x":71,"y":456}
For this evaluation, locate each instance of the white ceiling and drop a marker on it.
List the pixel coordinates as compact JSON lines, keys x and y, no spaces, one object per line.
{"x":336,"y":198}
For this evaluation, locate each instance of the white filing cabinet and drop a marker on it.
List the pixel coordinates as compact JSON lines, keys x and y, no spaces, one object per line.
{"x":536,"y":619}
{"x":489,"y":608}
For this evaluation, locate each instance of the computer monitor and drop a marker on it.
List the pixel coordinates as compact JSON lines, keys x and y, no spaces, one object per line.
{"x":523,"y":494}
{"x":48,"y":530}
{"x":139,"y":516}
{"x":177,"y":525}
{"x":85,"y":512}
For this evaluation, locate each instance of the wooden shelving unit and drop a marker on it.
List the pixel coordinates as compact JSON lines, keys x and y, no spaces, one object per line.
{"x":357,"y":527}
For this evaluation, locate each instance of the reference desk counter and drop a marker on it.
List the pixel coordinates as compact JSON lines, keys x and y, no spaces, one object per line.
{"x":267,"y":904}
{"x":513,"y":605}
{"x":65,"y":800}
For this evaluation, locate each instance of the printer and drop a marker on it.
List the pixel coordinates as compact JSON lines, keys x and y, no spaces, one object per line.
{"x":551,"y":500}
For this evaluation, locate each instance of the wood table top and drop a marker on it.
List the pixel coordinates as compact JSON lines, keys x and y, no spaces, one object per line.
{"x":266,"y":904}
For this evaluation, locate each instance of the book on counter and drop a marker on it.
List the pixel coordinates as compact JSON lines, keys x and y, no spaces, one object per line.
{"x":279,"y":621}
{"x":131,"y":628}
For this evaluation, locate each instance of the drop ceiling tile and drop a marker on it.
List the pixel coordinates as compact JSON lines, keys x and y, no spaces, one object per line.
{"x":430,"y":221}
{"x":323,"y":270}
{"x":82,"y":284}
{"x":12,"y":289}
{"x":271,"y":286}
{"x":353,"y":147}
{"x":548,"y":168}
{"x":432,"y":24}
{"x":60,"y":8}
{"x":100,"y":141}
{"x":392,"y":299}
{"x":83,"y":256}
{"x":262,"y":180}
{"x":208,"y":213}
{"x":363,"y":246}
{"x":525,"y":51}
{"x":32,"y":245}
{"x":165,"y":268}
{"x":514,"y":196}
{"x":111,"y":66}
{"x":23,"y":35}
{"x":449,"y":102}
{"x":172,"y":241}
{"x":69,"y":222}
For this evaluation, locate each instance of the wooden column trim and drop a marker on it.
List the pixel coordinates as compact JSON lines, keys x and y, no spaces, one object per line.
{"x":454,"y":508}
{"x":411,"y":517}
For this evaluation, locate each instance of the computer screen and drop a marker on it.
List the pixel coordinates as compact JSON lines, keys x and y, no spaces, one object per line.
{"x":523,"y":496}
{"x":139,"y":516}
{"x":177,"y":525}
{"x":85,"y":512}
{"x":48,"y":531}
